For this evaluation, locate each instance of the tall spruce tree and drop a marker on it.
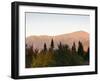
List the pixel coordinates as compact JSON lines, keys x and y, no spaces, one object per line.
{"x":74,"y":48}
{"x":80,"y":49}
{"x":45,"y":47}
{"x":52,"y":44}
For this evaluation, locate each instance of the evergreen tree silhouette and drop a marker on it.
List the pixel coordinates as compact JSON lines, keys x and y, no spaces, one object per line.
{"x":74,"y":48}
{"x":45,"y":47}
{"x":52,"y":44}
{"x":60,"y":46}
{"x":80,"y":49}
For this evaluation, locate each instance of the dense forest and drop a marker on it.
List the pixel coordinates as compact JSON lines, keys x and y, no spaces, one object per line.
{"x":51,"y":57}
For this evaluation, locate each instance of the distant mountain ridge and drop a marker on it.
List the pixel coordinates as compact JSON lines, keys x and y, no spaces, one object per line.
{"x":38,"y":41}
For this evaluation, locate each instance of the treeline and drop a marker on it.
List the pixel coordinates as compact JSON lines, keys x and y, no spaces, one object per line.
{"x":51,"y":57}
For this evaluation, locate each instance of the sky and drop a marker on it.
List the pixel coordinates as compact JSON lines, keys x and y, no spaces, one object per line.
{"x":55,"y":24}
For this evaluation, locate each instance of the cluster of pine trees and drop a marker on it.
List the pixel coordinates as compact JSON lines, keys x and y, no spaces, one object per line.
{"x":63,"y":56}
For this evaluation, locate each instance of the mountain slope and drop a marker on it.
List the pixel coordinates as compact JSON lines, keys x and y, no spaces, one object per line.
{"x":38,"y":41}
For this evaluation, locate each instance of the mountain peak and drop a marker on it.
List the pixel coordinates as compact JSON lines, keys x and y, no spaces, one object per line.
{"x":81,"y":32}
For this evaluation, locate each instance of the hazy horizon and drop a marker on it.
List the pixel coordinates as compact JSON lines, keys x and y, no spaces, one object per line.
{"x":59,"y":34}
{"x":55,"y":24}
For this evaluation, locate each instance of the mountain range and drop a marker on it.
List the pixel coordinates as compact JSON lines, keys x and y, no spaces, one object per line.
{"x":68,"y":38}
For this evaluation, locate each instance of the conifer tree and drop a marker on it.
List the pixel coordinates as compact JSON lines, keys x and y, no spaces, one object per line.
{"x":52,"y":44}
{"x":80,"y":49}
{"x":74,"y":48}
{"x":60,"y":46}
{"x":45,"y":47}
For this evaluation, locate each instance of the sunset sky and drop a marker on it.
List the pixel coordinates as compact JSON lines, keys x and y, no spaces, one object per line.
{"x":55,"y":24}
